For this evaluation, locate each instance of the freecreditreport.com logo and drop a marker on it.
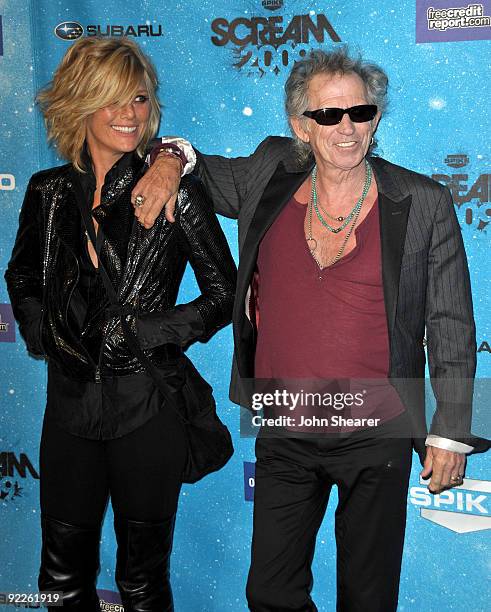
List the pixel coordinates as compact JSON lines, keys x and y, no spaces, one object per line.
{"x":447,"y":21}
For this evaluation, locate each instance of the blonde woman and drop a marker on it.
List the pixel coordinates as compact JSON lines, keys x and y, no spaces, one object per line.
{"x":108,"y":432}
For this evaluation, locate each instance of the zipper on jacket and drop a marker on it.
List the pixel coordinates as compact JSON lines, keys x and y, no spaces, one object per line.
{"x":101,"y":350}
{"x":40,"y":332}
{"x":72,"y":290}
{"x":70,"y":295}
{"x":97,"y":376}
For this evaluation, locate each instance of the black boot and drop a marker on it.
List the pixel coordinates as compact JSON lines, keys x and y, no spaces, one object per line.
{"x":142,"y":567}
{"x":69,"y":563}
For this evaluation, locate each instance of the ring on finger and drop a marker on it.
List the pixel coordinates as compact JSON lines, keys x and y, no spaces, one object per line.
{"x":139,"y":200}
{"x":455,"y":478}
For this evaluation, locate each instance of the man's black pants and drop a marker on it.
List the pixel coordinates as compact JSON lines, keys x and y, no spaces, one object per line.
{"x":294,"y":477}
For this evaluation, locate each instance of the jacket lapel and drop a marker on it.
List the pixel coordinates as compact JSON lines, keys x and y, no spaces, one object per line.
{"x":116,"y":218}
{"x":67,"y":222}
{"x":114,"y":215}
{"x":393,"y":212}
{"x":282,"y":186}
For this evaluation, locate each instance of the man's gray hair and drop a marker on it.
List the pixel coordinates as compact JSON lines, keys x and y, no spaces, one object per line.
{"x":338,"y":61}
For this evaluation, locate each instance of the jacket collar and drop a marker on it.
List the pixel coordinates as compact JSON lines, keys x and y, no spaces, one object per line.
{"x":114,"y":214}
{"x":385,"y":182}
{"x":116,"y":182}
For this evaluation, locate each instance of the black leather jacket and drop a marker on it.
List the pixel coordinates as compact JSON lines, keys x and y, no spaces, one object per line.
{"x":145,"y":266}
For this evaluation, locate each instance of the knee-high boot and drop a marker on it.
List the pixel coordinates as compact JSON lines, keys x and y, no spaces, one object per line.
{"x":69,"y":563}
{"x":143,"y":562}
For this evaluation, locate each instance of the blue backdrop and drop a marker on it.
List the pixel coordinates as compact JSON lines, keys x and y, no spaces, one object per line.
{"x":222,"y":65}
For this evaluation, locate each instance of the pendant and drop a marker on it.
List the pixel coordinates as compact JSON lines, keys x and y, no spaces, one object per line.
{"x":312,"y":242}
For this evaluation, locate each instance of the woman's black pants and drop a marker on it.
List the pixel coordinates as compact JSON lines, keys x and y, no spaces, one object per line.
{"x":141,"y":472}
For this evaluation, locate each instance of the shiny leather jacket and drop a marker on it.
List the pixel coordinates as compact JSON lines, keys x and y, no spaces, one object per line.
{"x":145,"y":266}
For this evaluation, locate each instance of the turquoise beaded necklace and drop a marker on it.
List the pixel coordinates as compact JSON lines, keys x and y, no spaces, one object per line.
{"x":356,"y":209}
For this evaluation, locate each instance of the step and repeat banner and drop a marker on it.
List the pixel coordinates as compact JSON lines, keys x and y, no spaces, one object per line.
{"x":222,"y":65}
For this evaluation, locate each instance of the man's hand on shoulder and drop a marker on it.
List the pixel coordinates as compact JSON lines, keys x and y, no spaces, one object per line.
{"x":446,"y":468}
{"x":157,"y":188}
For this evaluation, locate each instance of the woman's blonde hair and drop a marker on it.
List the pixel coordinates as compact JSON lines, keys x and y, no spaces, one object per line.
{"x":95,"y":72}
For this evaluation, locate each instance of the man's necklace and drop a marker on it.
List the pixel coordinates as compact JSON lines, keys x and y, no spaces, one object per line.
{"x":356,"y":208}
{"x":355,"y":213}
{"x":332,"y":217}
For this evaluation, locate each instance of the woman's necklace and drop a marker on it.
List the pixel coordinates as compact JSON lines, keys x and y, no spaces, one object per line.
{"x":356,"y":209}
{"x":355,"y":213}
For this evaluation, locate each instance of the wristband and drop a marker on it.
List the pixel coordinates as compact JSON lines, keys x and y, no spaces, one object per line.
{"x":165,"y":153}
{"x":168,"y":149}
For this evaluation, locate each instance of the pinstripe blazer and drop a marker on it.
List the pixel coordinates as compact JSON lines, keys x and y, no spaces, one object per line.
{"x":424,"y":272}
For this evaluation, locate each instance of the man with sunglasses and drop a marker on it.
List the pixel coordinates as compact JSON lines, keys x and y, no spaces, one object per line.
{"x":345,"y":258}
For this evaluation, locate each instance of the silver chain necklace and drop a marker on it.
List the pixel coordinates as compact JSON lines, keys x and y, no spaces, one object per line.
{"x":344,"y":220}
{"x":312,"y":242}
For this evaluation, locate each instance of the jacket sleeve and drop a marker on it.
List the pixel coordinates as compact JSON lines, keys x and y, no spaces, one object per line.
{"x":231,"y":181}
{"x":215,"y":271}
{"x":24,"y":270}
{"x":450,"y":326}
{"x":228,"y":180}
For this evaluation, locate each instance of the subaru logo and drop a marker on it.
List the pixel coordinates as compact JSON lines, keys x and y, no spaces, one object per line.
{"x":69,"y":30}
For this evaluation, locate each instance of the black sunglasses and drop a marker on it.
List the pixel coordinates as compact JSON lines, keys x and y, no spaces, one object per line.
{"x":333,"y":116}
